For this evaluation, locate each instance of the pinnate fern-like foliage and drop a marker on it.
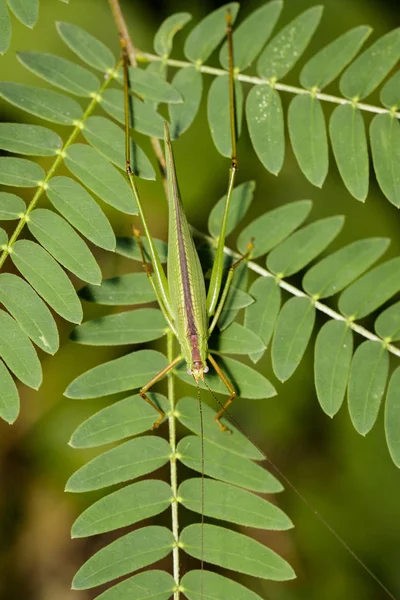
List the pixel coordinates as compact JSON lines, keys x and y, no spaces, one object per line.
{"x":254,"y":316}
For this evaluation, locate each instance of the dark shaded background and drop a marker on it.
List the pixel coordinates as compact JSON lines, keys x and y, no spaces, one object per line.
{"x":349,"y":479}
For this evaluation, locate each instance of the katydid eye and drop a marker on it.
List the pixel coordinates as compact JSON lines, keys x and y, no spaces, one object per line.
{"x":206,"y":369}
{"x":189,"y":372}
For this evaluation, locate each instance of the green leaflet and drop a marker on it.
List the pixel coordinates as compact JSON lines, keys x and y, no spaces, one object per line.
{"x":132,"y":327}
{"x":11,"y":207}
{"x":128,"y":247}
{"x":248,"y":382}
{"x":166,"y":32}
{"x":62,"y":242}
{"x":215,"y":587}
{"x":285,"y":49}
{"x":29,"y":311}
{"x":26,"y":11}
{"x":261,"y":316}
{"x":146,"y":119}
{"x":109,"y":139}
{"x":329,"y":62}
{"x":61,"y":73}
{"x":18,"y":353}
{"x":189,"y":415}
{"x":118,"y":375}
{"x":133,"y":551}
{"x":125,"y":418}
{"x":349,"y":144}
{"x":45,"y":104}
{"x":241,"y":199}
{"x":5,"y":27}
{"x":29,"y":139}
{"x":333,"y":353}
{"x":9,"y":398}
{"x":19,"y":172}
{"x":144,"y":586}
{"x":3,"y":239}
{"x":189,"y":83}
{"x":229,"y":503}
{"x":385,"y":144}
{"x":94,"y":171}
{"x":123,"y":290}
{"x":88,"y":48}
{"x":368,"y":376}
{"x":392,"y":417}
{"x":126,"y":506}
{"x":235,"y":300}
{"x":266,"y":126}
{"x":387,"y":325}
{"x":390,"y":93}
{"x":129,"y":460}
{"x":292,"y":334}
{"x":218,"y":113}
{"x":47,"y":278}
{"x":371,"y":67}
{"x":235,"y":551}
{"x":226,"y":466}
{"x":303,"y":246}
{"x":336,"y":271}
{"x":79,"y":208}
{"x":206,"y":35}
{"x":149,"y":86}
{"x":279,"y":222}
{"x":307,"y":132}
{"x":251,"y":35}
{"x":372,"y":290}
{"x":236,"y":339}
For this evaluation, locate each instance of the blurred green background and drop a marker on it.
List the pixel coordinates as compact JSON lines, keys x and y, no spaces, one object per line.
{"x":351,"y":480}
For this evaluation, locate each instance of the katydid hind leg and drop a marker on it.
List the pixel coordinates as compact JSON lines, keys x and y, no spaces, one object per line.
{"x":228,"y":386}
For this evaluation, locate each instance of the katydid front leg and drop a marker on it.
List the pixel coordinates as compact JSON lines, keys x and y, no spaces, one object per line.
{"x":153,"y":381}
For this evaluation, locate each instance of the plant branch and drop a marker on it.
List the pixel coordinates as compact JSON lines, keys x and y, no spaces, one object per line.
{"x":173,"y":465}
{"x":58,"y":161}
{"x":333,"y":314}
{"x":147,"y":57}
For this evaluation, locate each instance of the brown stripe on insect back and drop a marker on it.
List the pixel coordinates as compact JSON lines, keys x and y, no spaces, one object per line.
{"x":193,"y":334}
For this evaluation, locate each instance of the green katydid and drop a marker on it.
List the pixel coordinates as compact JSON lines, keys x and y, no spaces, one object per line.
{"x":182,"y":297}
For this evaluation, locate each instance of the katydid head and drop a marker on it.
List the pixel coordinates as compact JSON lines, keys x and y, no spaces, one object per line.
{"x":197,"y":370}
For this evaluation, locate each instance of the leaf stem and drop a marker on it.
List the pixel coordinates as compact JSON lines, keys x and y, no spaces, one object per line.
{"x":59,"y":159}
{"x":291,"y":89}
{"x":333,"y":314}
{"x":173,"y":465}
